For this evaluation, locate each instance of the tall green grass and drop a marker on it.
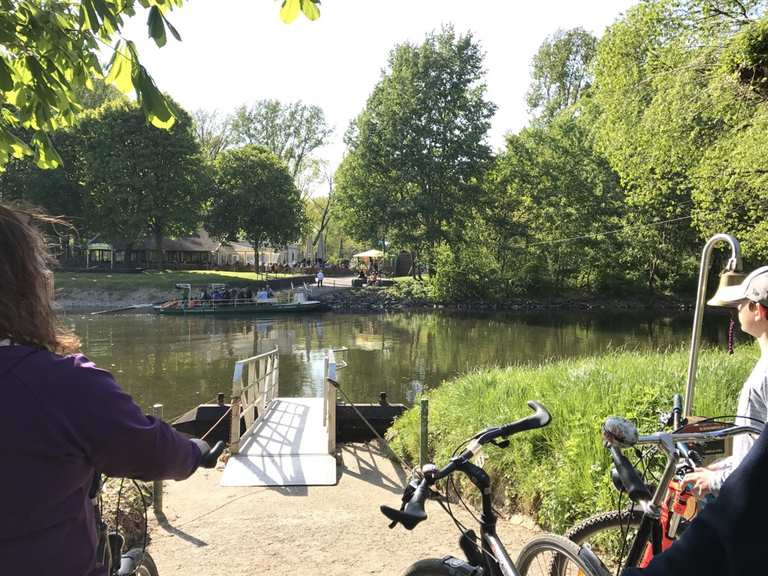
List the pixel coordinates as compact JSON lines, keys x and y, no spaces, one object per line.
{"x":560,"y":474}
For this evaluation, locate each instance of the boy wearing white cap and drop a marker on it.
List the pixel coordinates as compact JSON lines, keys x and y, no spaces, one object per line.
{"x":751,"y":299}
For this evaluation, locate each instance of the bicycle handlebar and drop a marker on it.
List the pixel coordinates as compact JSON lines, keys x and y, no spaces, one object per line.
{"x":629,"y":476}
{"x":208,"y":456}
{"x":665,"y":438}
{"x":412,"y":511}
{"x":677,"y":410}
{"x":675,"y":445}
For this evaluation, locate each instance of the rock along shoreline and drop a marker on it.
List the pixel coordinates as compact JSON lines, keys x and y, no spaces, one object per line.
{"x":374,"y":299}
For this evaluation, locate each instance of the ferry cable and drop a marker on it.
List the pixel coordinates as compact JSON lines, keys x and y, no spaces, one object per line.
{"x":367,"y":423}
{"x":228,"y":410}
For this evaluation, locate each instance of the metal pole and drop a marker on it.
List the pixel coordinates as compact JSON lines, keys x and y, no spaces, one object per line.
{"x":157,"y":485}
{"x":734,"y":265}
{"x":424,"y":444}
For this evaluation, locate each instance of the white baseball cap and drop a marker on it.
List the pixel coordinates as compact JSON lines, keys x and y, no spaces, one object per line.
{"x":754,"y":288}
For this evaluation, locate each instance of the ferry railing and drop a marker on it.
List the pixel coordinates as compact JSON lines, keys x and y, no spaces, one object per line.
{"x":254,"y":386}
{"x":329,"y":406}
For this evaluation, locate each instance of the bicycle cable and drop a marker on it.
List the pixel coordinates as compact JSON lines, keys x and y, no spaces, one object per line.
{"x":117,"y":505}
{"x":375,"y":432}
{"x":452,"y":483}
{"x":146,"y":521}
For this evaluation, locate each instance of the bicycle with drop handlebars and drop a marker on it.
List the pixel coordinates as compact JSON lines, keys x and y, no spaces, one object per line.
{"x":486,"y":554}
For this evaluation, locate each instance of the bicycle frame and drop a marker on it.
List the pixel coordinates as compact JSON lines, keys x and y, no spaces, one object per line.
{"x":492,"y":556}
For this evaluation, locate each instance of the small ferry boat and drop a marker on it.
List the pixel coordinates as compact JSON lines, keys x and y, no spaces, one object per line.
{"x":262,"y":303}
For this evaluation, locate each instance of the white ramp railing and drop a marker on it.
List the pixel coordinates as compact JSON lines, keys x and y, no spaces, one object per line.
{"x":254,"y":386}
{"x":329,"y":406}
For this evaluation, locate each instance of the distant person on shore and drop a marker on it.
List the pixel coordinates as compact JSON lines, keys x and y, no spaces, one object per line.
{"x":78,"y":420}
{"x":319,"y":278}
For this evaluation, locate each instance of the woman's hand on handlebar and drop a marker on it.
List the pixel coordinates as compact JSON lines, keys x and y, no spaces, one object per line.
{"x":209,"y":456}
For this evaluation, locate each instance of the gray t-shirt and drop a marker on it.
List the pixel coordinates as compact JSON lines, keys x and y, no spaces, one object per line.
{"x":752,"y":410}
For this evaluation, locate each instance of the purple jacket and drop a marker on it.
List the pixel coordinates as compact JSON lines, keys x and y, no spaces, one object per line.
{"x":61,"y":419}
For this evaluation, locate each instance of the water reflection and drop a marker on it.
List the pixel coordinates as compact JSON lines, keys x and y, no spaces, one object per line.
{"x":183,"y":361}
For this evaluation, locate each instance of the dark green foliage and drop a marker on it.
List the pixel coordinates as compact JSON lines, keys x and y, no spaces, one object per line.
{"x":255,"y":199}
{"x":122,"y":179}
{"x":555,"y":198}
{"x":139,"y":181}
{"x":417,"y":152}
{"x":746,"y":57}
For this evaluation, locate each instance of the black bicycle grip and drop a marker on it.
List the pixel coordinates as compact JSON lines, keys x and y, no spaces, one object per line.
{"x":677,"y":403}
{"x":539,"y":419}
{"x":215,"y":452}
{"x":413,"y":512}
{"x":677,"y":410}
{"x":629,"y":477}
{"x":208,"y":456}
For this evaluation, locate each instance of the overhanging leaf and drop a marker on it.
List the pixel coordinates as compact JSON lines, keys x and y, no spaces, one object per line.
{"x":172,"y":29}
{"x":11,"y":144}
{"x":46,"y":156}
{"x":290,"y":10}
{"x":6,"y":76}
{"x":120,"y":70}
{"x":153,"y":102}
{"x":310,"y":9}
{"x":156,"y":26}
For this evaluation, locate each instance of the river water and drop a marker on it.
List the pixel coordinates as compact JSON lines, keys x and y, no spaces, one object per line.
{"x":181,"y":362}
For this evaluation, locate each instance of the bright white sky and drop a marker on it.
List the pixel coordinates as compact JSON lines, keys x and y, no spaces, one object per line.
{"x":239,"y":51}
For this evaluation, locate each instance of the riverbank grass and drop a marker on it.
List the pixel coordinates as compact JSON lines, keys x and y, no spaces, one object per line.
{"x":157,"y":280}
{"x":560,"y":474}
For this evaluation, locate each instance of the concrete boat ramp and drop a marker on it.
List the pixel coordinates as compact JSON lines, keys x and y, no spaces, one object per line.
{"x":287,"y":447}
{"x":287,"y":441}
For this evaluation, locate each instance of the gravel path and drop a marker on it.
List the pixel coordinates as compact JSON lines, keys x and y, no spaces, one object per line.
{"x":333,"y":530}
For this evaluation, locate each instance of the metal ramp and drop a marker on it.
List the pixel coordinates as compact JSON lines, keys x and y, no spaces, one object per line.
{"x":292,"y":442}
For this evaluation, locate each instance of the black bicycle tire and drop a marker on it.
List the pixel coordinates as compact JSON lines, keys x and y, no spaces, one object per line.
{"x":147,"y":566}
{"x":560,"y":545}
{"x":582,"y":532}
{"x":429,"y":567}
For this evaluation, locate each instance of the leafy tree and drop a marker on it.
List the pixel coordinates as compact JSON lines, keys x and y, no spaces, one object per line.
{"x":293,"y":132}
{"x":50,"y":52}
{"x":561,"y":71}
{"x":417,"y":152}
{"x":97,"y":95}
{"x":663,"y":103}
{"x":255,"y":199}
{"x":732,"y":187}
{"x":555,"y":195}
{"x":139,"y":180}
{"x":213,"y":133}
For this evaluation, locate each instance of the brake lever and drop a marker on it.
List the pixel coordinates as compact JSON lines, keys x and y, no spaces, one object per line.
{"x":407,"y":495}
{"x":500,"y":443}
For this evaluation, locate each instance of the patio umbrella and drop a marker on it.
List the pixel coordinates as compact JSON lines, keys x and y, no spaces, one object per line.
{"x":372,"y":253}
